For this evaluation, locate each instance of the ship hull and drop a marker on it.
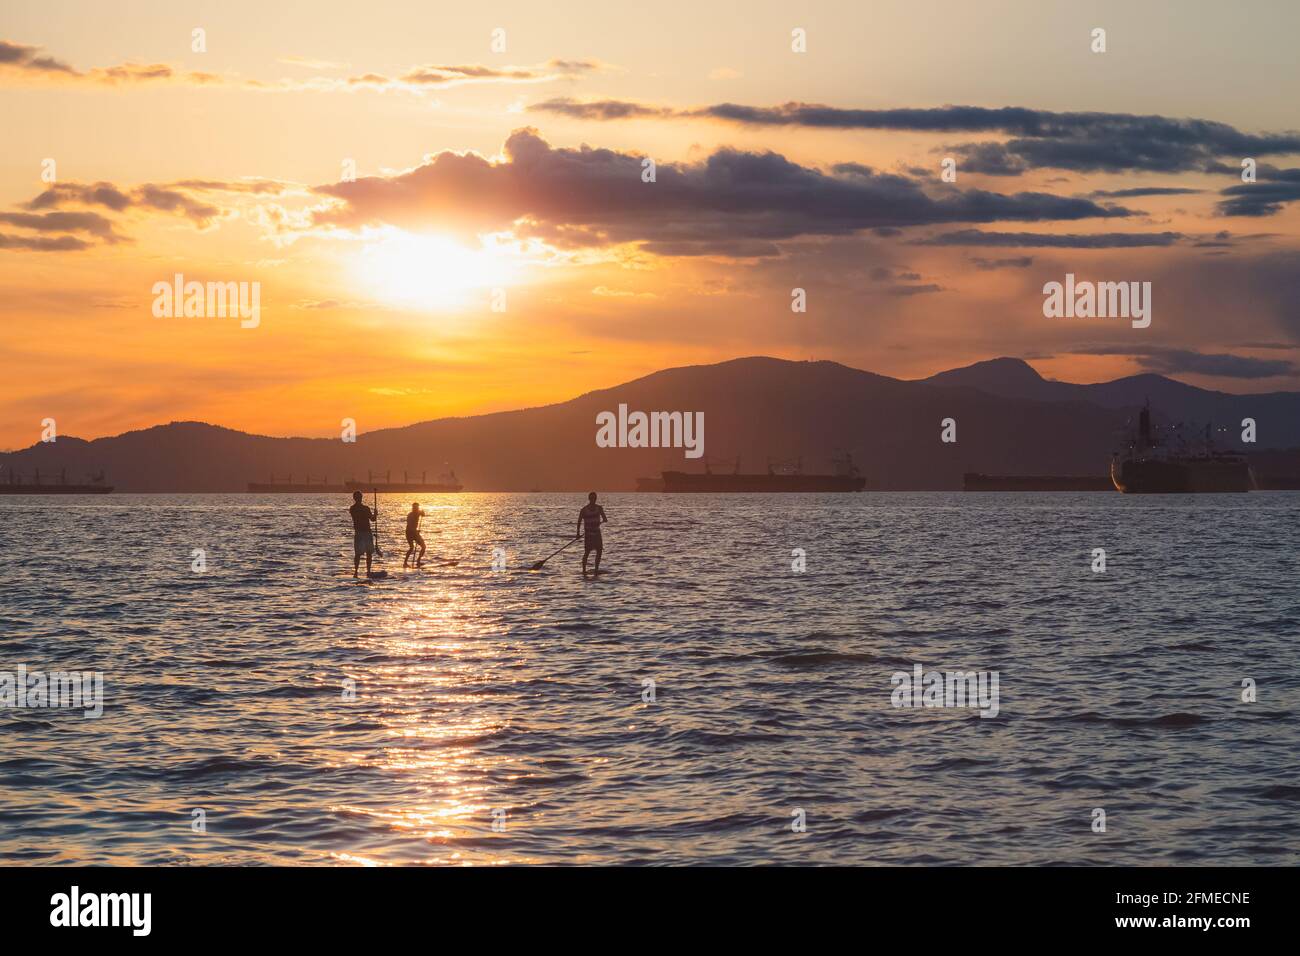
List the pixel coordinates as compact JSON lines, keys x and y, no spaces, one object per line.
{"x":680,"y":481}
{"x":55,"y":489}
{"x":401,"y":489}
{"x":1206,"y":476}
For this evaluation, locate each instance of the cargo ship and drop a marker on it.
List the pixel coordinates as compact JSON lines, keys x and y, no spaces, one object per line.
{"x":445,"y":484}
{"x":287,"y":486}
{"x":1148,"y":466}
{"x":13,"y":484}
{"x":313,"y":486}
{"x":777,"y":479}
{"x":974,"y":481}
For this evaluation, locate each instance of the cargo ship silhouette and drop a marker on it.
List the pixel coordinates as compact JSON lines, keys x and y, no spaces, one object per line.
{"x":13,"y":484}
{"x":1148,"y":466}
{"x":780,"y":477}
{"x":445,"y":484}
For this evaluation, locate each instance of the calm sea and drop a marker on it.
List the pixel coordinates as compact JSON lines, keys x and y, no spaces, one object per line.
{"x":517,"y":699}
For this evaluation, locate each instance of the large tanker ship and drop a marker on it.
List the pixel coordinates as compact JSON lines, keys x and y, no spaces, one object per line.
{"x":1148,"y":466}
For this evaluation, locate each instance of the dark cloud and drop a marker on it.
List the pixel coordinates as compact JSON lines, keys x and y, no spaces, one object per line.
{"x":171,"y":200}
{"x":86,"y":194}
{"x":1169,"y":361}
{"x":1104,"y":240}
{"x":1258,"y":198}
{"x":1085,"y":142}
{"x":1014,"y":262}
{"x":166,"y":198}
{"x":44,"y":243}
{"x":602,"y":109}
{"x":1139,"y":191}
{"x":594,"y":197}
{"x":45,"y":213}
{"x":23,"y":57}
{"x":988,"y":159}
{"x":88,"y":222}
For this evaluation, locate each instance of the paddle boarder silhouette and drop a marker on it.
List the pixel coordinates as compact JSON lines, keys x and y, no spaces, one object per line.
{"x":590,"y":518}
{"x":363,"y":540}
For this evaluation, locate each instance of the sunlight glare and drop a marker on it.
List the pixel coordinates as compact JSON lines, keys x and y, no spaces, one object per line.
{"x":430,"y":271}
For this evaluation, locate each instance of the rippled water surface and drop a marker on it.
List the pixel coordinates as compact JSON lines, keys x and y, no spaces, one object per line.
{"x":521,"y":692}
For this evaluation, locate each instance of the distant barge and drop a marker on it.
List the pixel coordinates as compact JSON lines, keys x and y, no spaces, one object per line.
{"x":845,"y":479}
{"x":14,"y":485}
{"x":287,"y":486}
{"x":974,"y":481}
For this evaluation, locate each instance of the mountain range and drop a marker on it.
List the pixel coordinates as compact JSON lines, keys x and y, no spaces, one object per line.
{"x":1010,"y":420}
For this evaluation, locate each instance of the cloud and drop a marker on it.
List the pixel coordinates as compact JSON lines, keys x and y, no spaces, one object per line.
{"x":731,"y":203}
{"x":44,"y":243}
{"x":989,"y":265}
{"x":23,"y":61}
{"x":19,"y":56}
{"x":46,"y":212}
{"x":1084,"y":141}
{"x":442,"y":76}
{"x":1258,"y":198}
{"x":1139,"y":191}
{"x":988,"y":159}
{"x":1105,"y":240}
{"x":165,"y":198}
{"x":88,"y":222}
{"x":1171,"y":361}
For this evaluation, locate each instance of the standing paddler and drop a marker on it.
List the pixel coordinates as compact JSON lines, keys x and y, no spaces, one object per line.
{"x":590,"y":519}
{"x":363,"y":540}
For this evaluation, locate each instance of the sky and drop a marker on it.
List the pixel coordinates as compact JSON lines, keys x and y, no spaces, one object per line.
{"x":444,"y":208}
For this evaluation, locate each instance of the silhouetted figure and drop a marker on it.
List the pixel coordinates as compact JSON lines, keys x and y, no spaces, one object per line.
{"x":363,"y":541}
{"x":590,"y":519}
{"x":413,"y":534}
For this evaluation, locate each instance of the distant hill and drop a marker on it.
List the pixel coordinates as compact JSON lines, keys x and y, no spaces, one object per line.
{"x":1172,"y":401}
{"x":1009,"y":421}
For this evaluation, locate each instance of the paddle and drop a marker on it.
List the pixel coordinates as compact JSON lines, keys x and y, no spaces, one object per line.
{"x":538,"y":565}
{"x":378,"y":553}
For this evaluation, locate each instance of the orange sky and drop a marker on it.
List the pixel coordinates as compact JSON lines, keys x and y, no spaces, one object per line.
{"x":376,"y":296}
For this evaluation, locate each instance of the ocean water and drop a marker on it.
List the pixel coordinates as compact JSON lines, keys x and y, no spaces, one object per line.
{"x":516,"y":697}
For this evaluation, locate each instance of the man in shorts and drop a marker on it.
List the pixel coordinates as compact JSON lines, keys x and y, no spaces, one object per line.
{"x":363,"y":540}
{"x":590,"y":519}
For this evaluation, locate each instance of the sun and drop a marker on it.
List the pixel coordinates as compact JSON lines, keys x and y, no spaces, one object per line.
{"x":431,"y":271}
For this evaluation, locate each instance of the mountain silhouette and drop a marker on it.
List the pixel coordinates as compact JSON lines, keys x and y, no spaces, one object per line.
{"x":1009,"y":421}
{"x":1173,"y":401}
